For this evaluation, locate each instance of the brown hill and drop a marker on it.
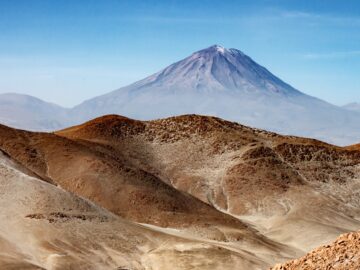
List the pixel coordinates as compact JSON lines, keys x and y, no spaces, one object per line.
{"x":344,"y":253}
{"x":107,"y":179}
{"x":354,"y":147}
{"x":274,"y":196}
{"x":97,"y":172}
{"x":283,"y":186}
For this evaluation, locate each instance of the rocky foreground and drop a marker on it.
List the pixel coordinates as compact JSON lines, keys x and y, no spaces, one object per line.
{"x":344,"y":253}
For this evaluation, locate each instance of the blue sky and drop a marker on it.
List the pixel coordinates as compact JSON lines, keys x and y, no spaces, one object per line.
{"x":65,"y":51}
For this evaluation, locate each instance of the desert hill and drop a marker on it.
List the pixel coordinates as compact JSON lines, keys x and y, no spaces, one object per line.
{"x":264,"y":179}
{"x":263,"y":197}
{"x":44,"y":227}
{"x":354,"y":147}
{"x":89,"y":170}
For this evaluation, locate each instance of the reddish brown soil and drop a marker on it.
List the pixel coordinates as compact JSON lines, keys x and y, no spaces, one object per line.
{"x":342,"y":254}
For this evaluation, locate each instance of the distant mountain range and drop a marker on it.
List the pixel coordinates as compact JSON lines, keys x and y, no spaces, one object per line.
{"x":214,"y":81}
{"x":27,"y":112}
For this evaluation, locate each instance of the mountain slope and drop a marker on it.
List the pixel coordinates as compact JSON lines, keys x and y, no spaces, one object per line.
{"x":44,"y":227}
{"x":27,"y":112}
{"x":226,"y":83}
{"x":352,"y":107}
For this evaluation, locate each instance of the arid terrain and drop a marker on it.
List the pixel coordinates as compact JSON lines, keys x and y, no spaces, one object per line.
{"x":186,"y":192}
{"x":342,"y":254}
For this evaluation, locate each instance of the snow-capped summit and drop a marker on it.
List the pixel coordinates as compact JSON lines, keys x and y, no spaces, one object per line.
{"x":216,"y":69}
{"x":214,"y":48}
{"x":220,"y":49}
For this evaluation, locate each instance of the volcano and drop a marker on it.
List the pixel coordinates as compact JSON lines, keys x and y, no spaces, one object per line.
{"x":229,"y":84}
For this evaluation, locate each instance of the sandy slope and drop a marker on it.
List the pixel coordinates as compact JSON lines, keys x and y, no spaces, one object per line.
{"x":45,"y":227}
{"x":225,"y":194}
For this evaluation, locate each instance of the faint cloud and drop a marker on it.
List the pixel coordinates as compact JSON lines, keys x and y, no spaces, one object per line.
{"x":259,"y":15}
{"x":298,"y":14}
{"x":333,"y":55}
{"x":322,"y":18}
{"x":164,"y":19}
